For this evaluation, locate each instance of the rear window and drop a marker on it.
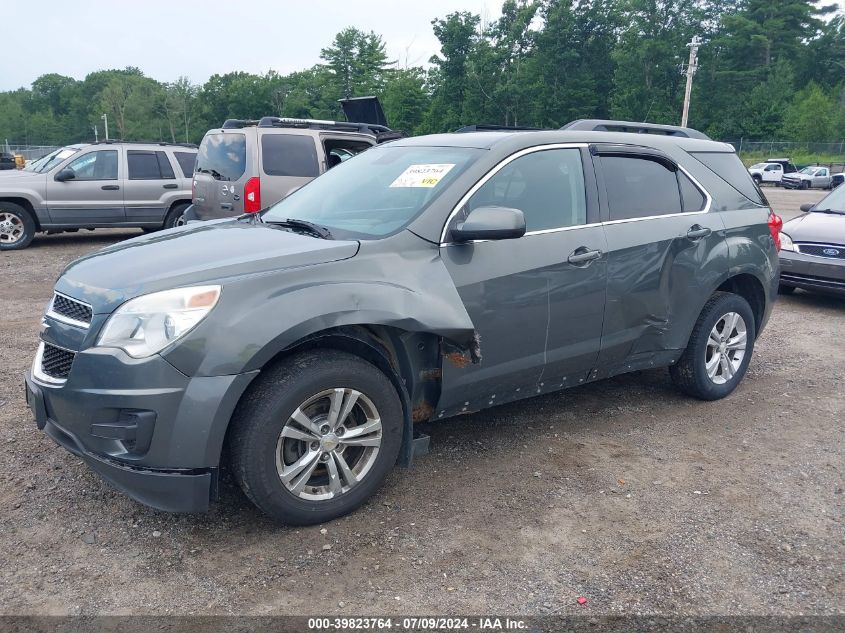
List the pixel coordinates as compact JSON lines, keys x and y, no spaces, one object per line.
{"x":148,"y":165}
{"x":186,"y":161}
{"x":729,"y":168}
{"x":289,"y":155}
{"x":639,"y":188}
{"x":222,"y":156}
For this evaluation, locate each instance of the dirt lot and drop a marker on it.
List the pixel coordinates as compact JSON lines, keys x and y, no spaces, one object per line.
{"x":624,"y":492}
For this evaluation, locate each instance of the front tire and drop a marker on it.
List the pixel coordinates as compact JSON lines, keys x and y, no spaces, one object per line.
{"x":17,"y":227}
{"x":315,"y":436}
{"x":719,"y":348}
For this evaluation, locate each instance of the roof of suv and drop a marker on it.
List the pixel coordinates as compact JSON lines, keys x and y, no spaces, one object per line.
{"x":517,"y":139}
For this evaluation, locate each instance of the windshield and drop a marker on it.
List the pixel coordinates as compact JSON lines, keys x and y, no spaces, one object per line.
{"x":375,"y":193}
{"x":46,"y":163}
{"x":810,"y":171}
{"x":835,"y":201}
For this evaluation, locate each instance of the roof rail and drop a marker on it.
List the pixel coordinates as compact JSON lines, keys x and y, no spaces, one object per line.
{"x":113,"y":141}
{"x":497,"y":128}
{"x":313,"y":124}
{"x":599,"y":125}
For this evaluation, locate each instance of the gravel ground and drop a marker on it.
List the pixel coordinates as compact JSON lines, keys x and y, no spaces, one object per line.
{"x":624,"y":492}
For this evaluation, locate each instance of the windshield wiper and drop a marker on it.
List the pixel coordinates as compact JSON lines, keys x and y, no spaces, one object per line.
{"x":310,"y":227}
{"x":213,"y":172}
{"x":828,"y":211}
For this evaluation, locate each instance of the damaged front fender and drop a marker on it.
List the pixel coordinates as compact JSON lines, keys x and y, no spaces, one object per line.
{"x":401,"y":283}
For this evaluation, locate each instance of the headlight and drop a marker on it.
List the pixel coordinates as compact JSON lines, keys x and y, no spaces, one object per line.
{"x":146,"y":325}
{"x":786,"y":243}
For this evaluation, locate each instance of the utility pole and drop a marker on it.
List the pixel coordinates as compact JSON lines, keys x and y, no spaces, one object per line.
{"x":105,"y":118}
{"x":692,"y":66}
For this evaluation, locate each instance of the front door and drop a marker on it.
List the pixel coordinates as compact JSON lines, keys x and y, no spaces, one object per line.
{"x":94,"y":195}
{"x":536,"y":313}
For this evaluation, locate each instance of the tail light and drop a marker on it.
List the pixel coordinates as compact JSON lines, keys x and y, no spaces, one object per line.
{"x":252,"y":195}
{"x":775,"y":225}
{"x":193,"y":189}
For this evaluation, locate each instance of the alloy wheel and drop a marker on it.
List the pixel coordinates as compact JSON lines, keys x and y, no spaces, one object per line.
{"x":329,"y":444}
{"x":726,"y":348}
{"x":11,"y":228}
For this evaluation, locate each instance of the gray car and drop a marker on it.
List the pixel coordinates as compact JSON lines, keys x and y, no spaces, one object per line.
{"x":248,"y":165}
{"x":420,"y":280}
{"x":99,"y":185}
{"x":812,"y":255}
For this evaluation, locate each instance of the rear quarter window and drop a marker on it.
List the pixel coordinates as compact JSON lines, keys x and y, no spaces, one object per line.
{"x":222,"y":155}
{"x":289,"y":155}
{"x":729,"y":168}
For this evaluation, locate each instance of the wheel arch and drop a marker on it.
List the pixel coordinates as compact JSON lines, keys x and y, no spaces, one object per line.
{"x":750,"y":288}
{"x":410,"y":360}
{"x":28,"y":207}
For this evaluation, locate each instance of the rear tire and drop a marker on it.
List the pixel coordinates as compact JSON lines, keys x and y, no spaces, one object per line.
{"x":278,"y":436}
{"x":175,"y":215}
{"x":716,"y":359}
{"x":17,"y":227}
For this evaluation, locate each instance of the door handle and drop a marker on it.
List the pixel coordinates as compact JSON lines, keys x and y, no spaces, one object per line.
{"x":171,"y":186}
{"x":582,"y":256}
{"x":109,"y":187}
{"x":227,"y":206}
{"x":696,"y":232}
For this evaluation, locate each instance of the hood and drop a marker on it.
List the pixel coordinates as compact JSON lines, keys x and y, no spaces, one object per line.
{"x":825,"y":228}
{"x":798,"y":176}
{"x":198,"y":253}
{"x":18,"y":175}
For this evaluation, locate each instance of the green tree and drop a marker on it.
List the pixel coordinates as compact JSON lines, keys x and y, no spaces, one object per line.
{"x":405,"y":99}
{"x":813,"y":116}
{"x":357,"y":62}
{"x":457,"y":36}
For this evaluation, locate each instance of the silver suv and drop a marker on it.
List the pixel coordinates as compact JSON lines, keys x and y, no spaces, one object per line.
{"x":247,"y":165}
{"x":99,"y":185}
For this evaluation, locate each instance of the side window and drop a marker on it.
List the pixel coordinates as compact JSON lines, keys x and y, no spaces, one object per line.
{"x":692,"y":199}
{"x":547,"y":186}
{"x":164,"y":166}
{"x":146,"y":165}
{"x":186,"y":161}
{"x":99,"y":165}
{"x":289,"y":155}
{"x":639,"y":187}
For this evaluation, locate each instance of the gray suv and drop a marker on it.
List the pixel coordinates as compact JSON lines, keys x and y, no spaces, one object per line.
{"x":98,"y":185}
{"x":247,"y":165}
{"x":423,"y":279}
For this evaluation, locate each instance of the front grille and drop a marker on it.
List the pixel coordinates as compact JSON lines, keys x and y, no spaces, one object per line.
{"x":822,"y":250}
{"x":71,"y":308}
{"x":56,"y":362}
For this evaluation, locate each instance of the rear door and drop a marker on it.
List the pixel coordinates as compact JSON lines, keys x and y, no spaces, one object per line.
{"x":150,"y":184}
{"x":222,"y":169}
{"x":288,"y":160}
{"x":94,"y":196}
{"x":665,"y":252}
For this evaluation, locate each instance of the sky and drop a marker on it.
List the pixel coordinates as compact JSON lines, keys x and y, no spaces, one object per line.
{"x":170,"y":38}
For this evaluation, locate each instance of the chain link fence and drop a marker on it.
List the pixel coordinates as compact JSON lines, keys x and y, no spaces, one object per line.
{"x":832,"y":149}
{"x":29,"y":152}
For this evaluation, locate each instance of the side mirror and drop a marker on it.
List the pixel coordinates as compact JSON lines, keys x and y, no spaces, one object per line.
{"x":807,"y":206}
{"x":490,"y":223}
{"x":65,"y":174}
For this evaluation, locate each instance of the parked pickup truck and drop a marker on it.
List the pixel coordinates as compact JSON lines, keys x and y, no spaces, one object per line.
{"x":809,"y":178}
{"x":772,"y":171}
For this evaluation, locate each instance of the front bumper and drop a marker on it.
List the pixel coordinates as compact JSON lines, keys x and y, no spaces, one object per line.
{"x":810,"y":272}
{"x":143,"y":426}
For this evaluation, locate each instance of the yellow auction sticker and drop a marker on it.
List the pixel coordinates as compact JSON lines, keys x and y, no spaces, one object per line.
{"x":422,"y":175}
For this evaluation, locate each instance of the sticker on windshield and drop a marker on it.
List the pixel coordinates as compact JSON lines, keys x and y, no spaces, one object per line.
{"x":422,"y":175}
